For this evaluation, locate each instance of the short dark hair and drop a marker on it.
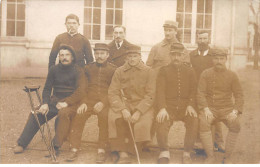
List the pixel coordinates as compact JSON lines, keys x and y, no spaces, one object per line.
{"x":72,"y":16}
{"x":203,"y":32}
{"x":119,"y":26}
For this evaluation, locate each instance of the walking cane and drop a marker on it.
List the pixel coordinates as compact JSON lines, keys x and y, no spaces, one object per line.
{"x":131,"y":130}
{"x":50,"y":148}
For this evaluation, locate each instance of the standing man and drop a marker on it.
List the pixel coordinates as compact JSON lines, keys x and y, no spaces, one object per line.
{"x":118,"y":47}
{"x":131,"y":96}
{"x":95,"y":102}
{"x":160,"y":53}
{"x":60,"y":90}
{"x":217,"y":89}
{"x":175,"y":93}
{"x":81,"y":45}
{"x":201,"y":59}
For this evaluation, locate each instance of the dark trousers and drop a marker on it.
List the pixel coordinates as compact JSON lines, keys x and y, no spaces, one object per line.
{"x":78,"y":124}
{"x":191,"y":125}
{"x":32,"y":127}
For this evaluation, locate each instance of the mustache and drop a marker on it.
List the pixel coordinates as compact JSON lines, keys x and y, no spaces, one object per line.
{"x":65,"y":60}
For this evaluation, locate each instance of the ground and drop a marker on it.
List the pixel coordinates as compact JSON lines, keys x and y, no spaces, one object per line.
{"x":14,"y":110}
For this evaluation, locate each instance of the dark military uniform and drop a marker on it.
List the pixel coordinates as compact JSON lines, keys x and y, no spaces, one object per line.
{"x":99,"y":77}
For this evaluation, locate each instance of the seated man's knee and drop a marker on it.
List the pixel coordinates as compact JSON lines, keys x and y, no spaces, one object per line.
{"x":63,"y":113}
{"x":204,"y":125}
{"x":235,"y":126}
{"x":163,"y":127}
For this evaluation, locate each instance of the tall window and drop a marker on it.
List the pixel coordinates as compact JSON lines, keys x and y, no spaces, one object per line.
{"x":15,"y":20}
{"x":193,"y":15}
{"x":1,"y":18}
{"x":100,"y":16}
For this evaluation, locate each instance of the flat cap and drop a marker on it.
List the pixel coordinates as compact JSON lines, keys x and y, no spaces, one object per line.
{"x":219,"y":52}
{"x":171,"y":24}
{"x":101,"y":46}
{"x":134,"y":49}
{"x":177,"y":47}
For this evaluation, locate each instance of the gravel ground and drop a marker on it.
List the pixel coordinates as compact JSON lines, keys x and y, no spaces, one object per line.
{"x":14,"y":110}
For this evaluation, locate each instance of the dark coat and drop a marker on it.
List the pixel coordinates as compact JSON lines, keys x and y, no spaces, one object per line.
{"x":117,"y":56}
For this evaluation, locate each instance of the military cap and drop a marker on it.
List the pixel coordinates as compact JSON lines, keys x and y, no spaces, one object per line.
{"x":68,"y":47}
{"x":219,"y":52}
{"x":171,"y":24}
{"x":177,"y":47}
{"x":101,"y":46}
{"x":134,"y":49}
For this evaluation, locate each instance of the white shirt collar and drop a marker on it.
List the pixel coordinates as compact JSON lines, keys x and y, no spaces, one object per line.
{"x":120,"y":43}
{"x":205,"y":52}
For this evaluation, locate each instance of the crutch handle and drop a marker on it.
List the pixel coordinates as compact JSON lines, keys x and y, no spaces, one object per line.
{"x":31,"y":88}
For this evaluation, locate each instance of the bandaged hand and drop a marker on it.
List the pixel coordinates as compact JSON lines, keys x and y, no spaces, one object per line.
{"x":61,"y":105}
{"x":135,"y":117}
{"x":208,"y":114}
{"x":190,"y":111}
{"x":44,"y":109}
{"x":82,"y":108}
{"x":232,"y":116}
{"x":98,"y":107}
{"x":126,"y":115}
{"x":162,"y":115}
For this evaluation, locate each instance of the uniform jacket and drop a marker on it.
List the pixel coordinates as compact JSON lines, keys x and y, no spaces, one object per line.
{"x":80,"y":45}
{"x":176,"y":87}
{"x":216,"y":88}
{"x":117,"y":56}
{"x":138,"y":87}
{"x":200,"y":63}
{"x":66,"y":83}
{"x":99,"y":77}
{"x":160,"y":54}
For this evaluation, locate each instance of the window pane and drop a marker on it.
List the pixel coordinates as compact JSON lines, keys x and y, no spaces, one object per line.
{"x":179,"y":19}
{"x":188,"y":6}
{"x":208,"y":21}
{"x":20,"y":28}
{"x":208,"y":6}
{"x":188,"y":21}
{"x":87,"y":15}
{"x":179,"y":35}
{"x":97,"y":3}
{"x":21,"y":11}
{"x":187,"y":36}
{"x":88,"y":3}
{"x":109,"y":16}
{"x":10,"y":11}
{"x":20,"y":1}
{"x":199,"y":21}
{"x":200,"y":6}
{"x":87,"y":31}
{"x":96,"y":32}
{"x":97,"y":16}
{"x":119,"y":4}
{"x":118,"y":19}
{"x":180,"y":5}
{"x":10,"y":0}
{"x":109,"y":32}
{"x":10,"y":28}
{"x":110,"y":3}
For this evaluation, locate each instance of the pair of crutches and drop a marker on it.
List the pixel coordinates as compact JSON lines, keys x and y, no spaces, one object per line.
{"x":130,"y":127}
{"x":47,"y":140}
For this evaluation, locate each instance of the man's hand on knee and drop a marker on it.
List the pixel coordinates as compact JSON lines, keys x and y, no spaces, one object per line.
{"x":190,"y":111}
{"x":232,"y":116}
{"x":126,"y":115}
{"x":82,"y":108}
{"x":44,"y":109}
{"x":98,"y":107}
{"x":208,"y":114}
{"x":135,"y":117}
{"x":61,"y":105}
{"x":162,"y":115}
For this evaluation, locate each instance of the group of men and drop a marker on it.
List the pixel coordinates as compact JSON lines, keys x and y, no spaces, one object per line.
{"x":131,"y":98}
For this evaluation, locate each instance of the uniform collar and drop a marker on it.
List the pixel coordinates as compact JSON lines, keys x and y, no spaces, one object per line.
{"x":166,"y":42}
{"x":140,"y":66}
{"x":101,"y":65}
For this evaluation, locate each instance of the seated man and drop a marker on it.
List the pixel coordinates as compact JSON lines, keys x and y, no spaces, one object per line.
{"x":175,"y":94}
{"x":131,"y":95}
{"x":95,"y":101}
{"x":216,"y":87}
{"x":63,"y":80}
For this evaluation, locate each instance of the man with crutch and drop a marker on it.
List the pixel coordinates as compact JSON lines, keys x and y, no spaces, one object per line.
{"x":60,"y":89}
{"x":131,"y":95}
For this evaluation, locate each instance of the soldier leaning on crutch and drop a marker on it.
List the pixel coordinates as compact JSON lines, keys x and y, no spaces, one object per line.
{"x":136,"y":81}
{"x":63,"y":80}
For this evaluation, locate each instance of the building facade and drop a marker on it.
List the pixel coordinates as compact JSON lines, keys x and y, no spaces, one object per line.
{"x":29,"y":27}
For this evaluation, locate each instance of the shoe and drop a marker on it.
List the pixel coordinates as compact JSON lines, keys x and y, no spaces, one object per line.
{"x":186,"y":159}
{"x":227,"y":161}
{"x":124,"y":160}
{"x":101,"y":158}
{"x":18,"y":149}
{"x":56,"y":151}
{"x":114,"y":157}
{"x":72,"y":155}
{"x":210,"y":160}
{"x":219,"y":147}
{"x":163,"y":160}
